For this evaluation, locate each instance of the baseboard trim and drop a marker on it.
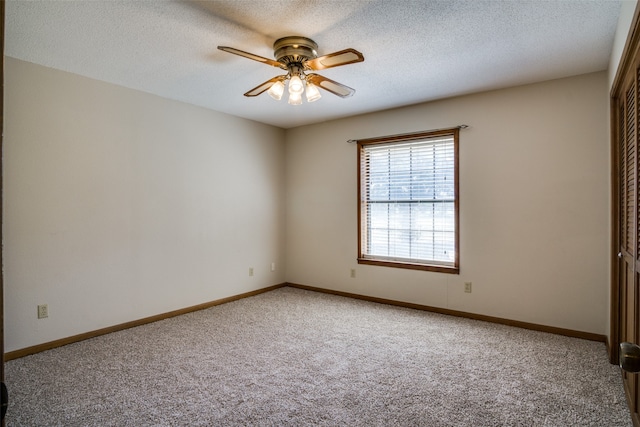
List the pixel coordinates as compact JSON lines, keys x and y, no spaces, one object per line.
{"x":16,"y":354}
{"x":92,"y":334}
{"x":525,"y":325}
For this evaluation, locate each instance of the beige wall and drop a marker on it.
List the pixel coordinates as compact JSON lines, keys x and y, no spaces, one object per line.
{"x":534,"y":191}
{"x":120,"y":205}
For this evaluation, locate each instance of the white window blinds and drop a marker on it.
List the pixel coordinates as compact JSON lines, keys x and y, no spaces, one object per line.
{"x":408,"y":201}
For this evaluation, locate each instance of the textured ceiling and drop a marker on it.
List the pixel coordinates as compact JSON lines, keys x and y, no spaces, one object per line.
{"x":414,"y":51}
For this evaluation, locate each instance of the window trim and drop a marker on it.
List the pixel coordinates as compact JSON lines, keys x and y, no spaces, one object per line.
{"x":416,"y":136}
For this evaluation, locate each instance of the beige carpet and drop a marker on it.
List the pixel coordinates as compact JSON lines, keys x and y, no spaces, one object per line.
{"x":298,"y":358}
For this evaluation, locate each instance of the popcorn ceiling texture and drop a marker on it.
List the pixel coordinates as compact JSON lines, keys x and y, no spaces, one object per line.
{"x":291,"y":357}
{"x":415,"y":51}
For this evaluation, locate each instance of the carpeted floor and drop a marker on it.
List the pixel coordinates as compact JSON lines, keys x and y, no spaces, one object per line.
{"x":291,"y":357}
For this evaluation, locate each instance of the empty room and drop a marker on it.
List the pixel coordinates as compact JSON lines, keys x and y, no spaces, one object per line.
{"x":353,"y":213}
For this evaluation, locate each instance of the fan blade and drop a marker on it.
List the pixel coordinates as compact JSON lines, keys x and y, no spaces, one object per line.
{"x":335,"y":59}
{"x":330,"y":85}
{"x":265,"y":86}
{"x":252,"y":56}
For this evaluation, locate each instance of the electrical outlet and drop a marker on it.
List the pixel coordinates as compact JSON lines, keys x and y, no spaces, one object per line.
{"x":353,"y":273}
{"x":250,"y":271}
{"x":273,"y":266}
{"x":43,"y":311}
{"x":467,"y":287}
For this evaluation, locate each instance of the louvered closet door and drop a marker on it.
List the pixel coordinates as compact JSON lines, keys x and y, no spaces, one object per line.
{"x":629,"y":238}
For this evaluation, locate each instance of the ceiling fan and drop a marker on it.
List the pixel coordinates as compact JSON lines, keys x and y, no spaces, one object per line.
{"x":297,"y":55}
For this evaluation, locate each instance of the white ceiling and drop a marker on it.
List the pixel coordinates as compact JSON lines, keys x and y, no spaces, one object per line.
{"x":414,"y":51}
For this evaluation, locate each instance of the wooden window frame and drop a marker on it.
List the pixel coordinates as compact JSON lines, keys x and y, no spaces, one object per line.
{"x":417,"y":136}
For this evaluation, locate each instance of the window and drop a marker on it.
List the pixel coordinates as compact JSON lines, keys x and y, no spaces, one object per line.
{"x":408,"y":201}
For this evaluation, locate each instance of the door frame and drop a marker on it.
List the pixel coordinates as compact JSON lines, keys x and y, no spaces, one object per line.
{"x":2,"y":17}
{"x":629,"y":57}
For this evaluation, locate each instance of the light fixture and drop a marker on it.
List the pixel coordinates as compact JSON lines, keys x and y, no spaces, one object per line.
{"x":276,"y":90}
{"x":295,"y":98}
{"x":295,"y":85}
{"x":312,"y":92}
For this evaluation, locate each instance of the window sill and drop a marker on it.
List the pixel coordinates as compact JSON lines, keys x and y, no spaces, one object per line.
{"x":410,"y":265}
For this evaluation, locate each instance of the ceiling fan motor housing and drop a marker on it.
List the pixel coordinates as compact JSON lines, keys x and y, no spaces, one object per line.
{"x":294,"y":50}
